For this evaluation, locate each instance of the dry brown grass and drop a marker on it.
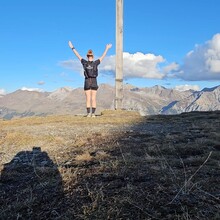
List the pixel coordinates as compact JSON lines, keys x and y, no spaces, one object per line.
{"x":84,"y":157}
{"x":116,"y":166}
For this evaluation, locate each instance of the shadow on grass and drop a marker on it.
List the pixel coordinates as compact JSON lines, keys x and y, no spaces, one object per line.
{"x":163,"y":167}
{"x":31,"y":187}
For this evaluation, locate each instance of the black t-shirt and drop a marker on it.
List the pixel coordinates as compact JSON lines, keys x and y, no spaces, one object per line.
{"x":90,"y":68}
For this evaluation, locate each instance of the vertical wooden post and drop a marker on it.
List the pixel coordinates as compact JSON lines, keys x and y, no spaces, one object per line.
{"x":119,"y":55}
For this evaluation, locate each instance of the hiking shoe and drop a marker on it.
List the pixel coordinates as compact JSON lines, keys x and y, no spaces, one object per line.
{"x":93,"y":115}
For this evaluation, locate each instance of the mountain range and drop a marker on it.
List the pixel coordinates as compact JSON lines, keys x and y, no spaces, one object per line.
{"x":147,"y":101}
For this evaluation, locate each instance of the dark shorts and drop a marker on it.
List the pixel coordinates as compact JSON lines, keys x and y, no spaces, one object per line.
{"x":91,"y":83}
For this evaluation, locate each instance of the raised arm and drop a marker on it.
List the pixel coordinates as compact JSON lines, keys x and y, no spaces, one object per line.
{"x":108,"y":46}
{"x":74,"y":50}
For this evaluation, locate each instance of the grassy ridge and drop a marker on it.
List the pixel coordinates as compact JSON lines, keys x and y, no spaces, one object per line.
{"x":115,"y":166}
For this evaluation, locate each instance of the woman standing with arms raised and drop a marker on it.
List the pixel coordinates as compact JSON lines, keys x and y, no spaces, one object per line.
{"x":90,"y":72}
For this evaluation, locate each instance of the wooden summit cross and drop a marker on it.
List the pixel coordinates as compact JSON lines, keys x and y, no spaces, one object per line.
{"x":119,"y":55}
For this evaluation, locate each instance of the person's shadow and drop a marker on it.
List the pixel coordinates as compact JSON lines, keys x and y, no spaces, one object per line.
{"x":31,"y":187}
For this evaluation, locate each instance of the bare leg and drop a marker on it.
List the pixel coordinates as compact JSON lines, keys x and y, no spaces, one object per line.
{"x":94,"y":92}
{"x":88,"y":98}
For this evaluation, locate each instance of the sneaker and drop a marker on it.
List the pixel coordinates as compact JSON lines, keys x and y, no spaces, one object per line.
{"x":88,"y":115}
{"x":93,"y":115}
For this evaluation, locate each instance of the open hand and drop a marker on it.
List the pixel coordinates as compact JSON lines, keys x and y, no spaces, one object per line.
{"x":70,"y":44}
{"x":108,"y":46}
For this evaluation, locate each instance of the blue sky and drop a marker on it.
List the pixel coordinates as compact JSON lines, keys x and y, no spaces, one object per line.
{"x":172,"y":43}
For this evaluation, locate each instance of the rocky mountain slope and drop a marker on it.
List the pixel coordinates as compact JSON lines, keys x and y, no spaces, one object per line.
{"x":147,"y":101}
{"x":205,"y":100}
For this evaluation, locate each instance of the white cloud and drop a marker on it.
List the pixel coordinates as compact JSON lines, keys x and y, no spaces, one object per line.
{"x":171,"y":67}
{"x":142,"y":65}
{"x":187,"y":87}
{"x":137,"y":65}
{"x":40,"y":83}
{"x":74,"y":65}
{"x":203,"y":62}
{"x":2,"y":92}
{"x":31,"y":89}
